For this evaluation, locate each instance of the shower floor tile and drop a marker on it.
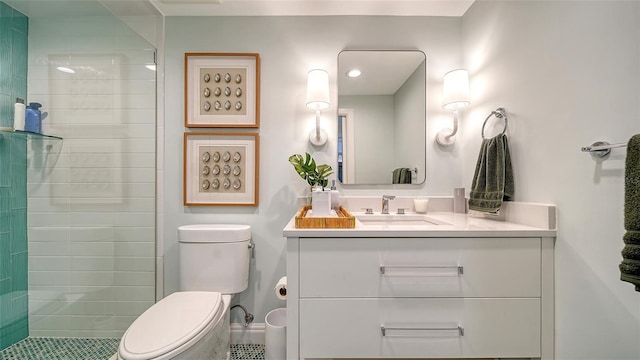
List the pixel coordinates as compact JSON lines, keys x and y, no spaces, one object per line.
{"x":95,"y":349}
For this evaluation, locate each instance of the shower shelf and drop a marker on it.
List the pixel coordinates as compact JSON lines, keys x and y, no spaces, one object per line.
{"x":28,"y":135}
{"x":40,"y":143}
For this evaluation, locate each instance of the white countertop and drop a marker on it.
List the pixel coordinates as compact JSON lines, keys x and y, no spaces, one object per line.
{"x":520,"y":220}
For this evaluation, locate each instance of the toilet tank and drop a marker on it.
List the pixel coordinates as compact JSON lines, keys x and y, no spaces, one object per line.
{"x":214,"y":257}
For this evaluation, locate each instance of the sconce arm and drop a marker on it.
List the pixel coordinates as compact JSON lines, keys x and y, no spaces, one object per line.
{"x":318,"y":137}
{"x":447,"y":136}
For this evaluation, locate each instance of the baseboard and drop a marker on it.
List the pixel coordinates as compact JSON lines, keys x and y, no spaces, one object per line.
{"x":252,"y":334}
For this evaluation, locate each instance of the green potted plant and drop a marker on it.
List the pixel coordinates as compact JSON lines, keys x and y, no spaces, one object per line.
{"x":314,"y":175}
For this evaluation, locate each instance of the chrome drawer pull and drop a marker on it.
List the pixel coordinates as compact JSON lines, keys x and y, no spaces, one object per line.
{"x":387,"y":270}
{"x":384,"y":329}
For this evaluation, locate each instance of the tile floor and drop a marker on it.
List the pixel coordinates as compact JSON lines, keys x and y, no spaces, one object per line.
{"x":95,"y":349}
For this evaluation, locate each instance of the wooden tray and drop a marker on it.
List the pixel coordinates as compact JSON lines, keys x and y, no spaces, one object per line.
{"x":344,"y":220}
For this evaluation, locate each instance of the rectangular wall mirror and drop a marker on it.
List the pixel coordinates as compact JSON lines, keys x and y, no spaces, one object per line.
{"x":382,"y":117}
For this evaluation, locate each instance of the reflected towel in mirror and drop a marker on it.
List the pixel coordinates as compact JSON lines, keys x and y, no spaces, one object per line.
{"x":401,"y":176}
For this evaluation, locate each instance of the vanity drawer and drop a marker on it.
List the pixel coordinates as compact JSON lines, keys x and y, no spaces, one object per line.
{"x":410,"y":267}
{"x":433,"y":327}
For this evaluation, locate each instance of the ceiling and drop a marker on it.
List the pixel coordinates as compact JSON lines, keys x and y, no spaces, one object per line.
{"x":41,"y":8}
{"x":312,"y":7}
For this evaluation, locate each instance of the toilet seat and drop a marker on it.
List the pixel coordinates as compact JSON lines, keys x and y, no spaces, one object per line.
{"x":174,"y":321}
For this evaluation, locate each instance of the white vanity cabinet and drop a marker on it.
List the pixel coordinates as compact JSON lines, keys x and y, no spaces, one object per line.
{"x":359,"y":294}
{"x":419,"y":267}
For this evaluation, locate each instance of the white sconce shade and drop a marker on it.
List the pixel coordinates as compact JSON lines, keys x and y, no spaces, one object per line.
{"x":318,"y":99}
{"x":318,"y":90}
{"x":455,"y":90}
{"x":455,"y":96}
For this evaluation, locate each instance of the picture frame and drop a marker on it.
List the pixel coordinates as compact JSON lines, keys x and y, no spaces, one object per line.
{"x":222,"y":90}
{"x":220,"y":169}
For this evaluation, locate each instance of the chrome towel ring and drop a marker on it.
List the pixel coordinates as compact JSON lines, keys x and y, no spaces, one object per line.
{"x":500,"y":113}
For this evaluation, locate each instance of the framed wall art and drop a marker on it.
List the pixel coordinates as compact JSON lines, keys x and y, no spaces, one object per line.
{"x":220,"y":169}
{"x":222,"y":90}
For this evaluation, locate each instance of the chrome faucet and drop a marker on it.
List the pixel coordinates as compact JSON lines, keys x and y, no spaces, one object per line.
{"x":385,"y":203}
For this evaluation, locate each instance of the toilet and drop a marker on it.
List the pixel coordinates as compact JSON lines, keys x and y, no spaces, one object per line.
{"x":194,"y":322}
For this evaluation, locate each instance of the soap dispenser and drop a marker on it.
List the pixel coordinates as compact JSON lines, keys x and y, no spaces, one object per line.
{"x":320,"y":203}
{"x":34,"y":116}
{"x":335,"y":194}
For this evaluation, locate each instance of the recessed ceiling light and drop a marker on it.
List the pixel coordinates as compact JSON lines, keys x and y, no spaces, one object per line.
{"x":65,"y":69}
{"x":354,"y":73}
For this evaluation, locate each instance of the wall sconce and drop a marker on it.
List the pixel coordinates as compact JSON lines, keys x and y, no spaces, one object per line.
{"x":318,"y":99}
{"x":455,"y":96}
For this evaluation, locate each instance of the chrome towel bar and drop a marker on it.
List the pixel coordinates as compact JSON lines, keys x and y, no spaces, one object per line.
{"x":415,"y":170}
{"x":601,"y":149}
{"x":499,"y":113}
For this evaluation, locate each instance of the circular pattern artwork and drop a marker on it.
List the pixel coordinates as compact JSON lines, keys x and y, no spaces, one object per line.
{"x":227,"y":86}
{"x":222,"y":168}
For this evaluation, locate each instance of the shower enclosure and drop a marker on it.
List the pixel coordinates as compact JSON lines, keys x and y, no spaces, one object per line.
{"x":91,"y":196}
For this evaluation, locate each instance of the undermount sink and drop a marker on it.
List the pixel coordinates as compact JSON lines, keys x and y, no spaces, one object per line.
{"x":397,"y":219}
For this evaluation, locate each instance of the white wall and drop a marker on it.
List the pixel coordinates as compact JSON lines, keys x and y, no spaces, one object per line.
{"x":289,"y":47}
{"x":568,"y":75}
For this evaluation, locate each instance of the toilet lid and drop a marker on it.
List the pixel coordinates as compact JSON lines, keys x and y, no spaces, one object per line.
{"x":169,"y":324}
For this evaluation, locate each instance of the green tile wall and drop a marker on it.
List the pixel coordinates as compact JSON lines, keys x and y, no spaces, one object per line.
{"x":13,"y":178}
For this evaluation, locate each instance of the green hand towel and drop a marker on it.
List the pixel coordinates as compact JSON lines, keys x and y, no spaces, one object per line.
{"x":395,"y":179}
{"x":405,"y":176}
{"x":632,"y":185}
{"x":631,"y":252}
{"x":493,"y":178}
{"x":401,"y":176}
{"x":630,"y":265}
{"x":631,"y":237}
